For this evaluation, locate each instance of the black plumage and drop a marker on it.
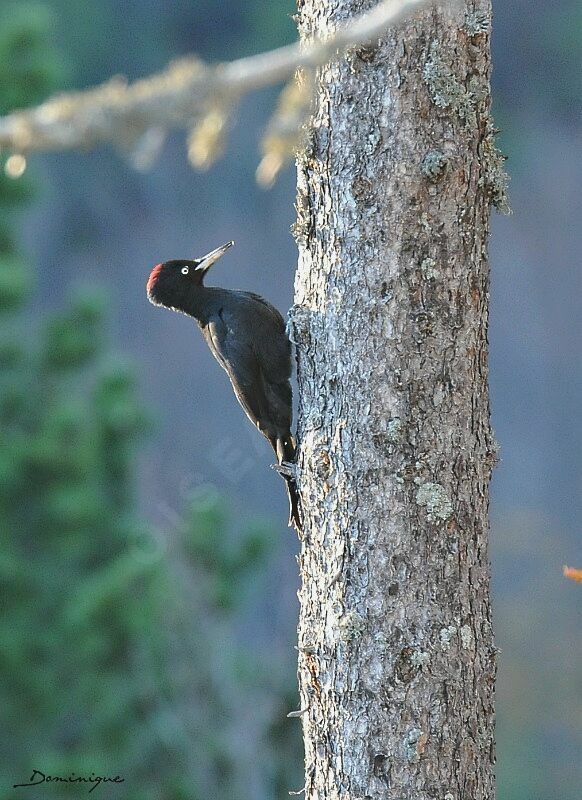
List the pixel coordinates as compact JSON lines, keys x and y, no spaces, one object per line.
{"x":247,"y":336}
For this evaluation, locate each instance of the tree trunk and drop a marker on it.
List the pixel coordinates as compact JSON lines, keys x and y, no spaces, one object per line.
{"x":396,"y":657}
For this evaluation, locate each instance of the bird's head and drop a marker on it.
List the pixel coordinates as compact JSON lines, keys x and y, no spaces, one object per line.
{"x":170,"y":284}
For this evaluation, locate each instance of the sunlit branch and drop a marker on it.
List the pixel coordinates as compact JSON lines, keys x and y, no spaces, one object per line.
{"x":135,"y":117}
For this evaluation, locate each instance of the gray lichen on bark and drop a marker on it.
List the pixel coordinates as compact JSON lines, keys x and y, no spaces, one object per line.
{"x":396,"y":658}
{"x":434,"y":164}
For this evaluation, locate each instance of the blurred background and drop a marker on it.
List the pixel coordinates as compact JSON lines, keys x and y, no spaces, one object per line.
{"x":148,"y":581}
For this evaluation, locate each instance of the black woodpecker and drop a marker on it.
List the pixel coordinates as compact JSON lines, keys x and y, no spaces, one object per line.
{"x":247,"y":337}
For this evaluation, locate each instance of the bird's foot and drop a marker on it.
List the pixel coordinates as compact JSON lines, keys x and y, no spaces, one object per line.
{"x":286,"y":468}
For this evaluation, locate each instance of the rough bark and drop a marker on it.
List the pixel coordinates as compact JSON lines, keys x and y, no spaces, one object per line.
{"x":396,"y":658}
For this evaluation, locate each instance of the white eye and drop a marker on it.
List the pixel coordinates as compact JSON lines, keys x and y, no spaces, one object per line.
{"x":185,"y":270}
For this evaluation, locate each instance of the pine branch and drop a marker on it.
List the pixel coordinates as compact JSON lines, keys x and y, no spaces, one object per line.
{"x":188,"y":94}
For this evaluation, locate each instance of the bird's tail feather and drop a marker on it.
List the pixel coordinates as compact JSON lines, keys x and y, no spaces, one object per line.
{"x":294,"y":504}
{"x":286,"y":453}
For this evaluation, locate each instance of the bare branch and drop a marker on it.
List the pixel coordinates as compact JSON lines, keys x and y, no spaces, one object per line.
{"x":134,"y":117}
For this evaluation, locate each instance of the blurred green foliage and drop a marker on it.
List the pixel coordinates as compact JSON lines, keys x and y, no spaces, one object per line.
{"x":119,"y":646}
{"x":562,"y":50}
{"x":32,"y":68}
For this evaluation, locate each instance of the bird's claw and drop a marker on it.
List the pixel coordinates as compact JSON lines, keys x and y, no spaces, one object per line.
{"x":285,"y":468}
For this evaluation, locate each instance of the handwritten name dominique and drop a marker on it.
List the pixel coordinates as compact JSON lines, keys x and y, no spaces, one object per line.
{"x":38,"y":777}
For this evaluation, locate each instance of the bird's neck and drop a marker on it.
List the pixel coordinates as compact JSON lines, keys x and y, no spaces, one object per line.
{"x":201,"y":302}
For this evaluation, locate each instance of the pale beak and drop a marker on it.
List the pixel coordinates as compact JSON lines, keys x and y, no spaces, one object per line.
{"x":212,"y":257}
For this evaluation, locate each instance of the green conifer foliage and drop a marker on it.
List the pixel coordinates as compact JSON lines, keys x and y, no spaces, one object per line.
{"x":120,"y":649}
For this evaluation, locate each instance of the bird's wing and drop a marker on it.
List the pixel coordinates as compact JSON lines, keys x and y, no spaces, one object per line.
{"x":258,"y":369}
{"x":274,"y":315}
{"x":272,"y":347}
{"x":238,"y":359}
